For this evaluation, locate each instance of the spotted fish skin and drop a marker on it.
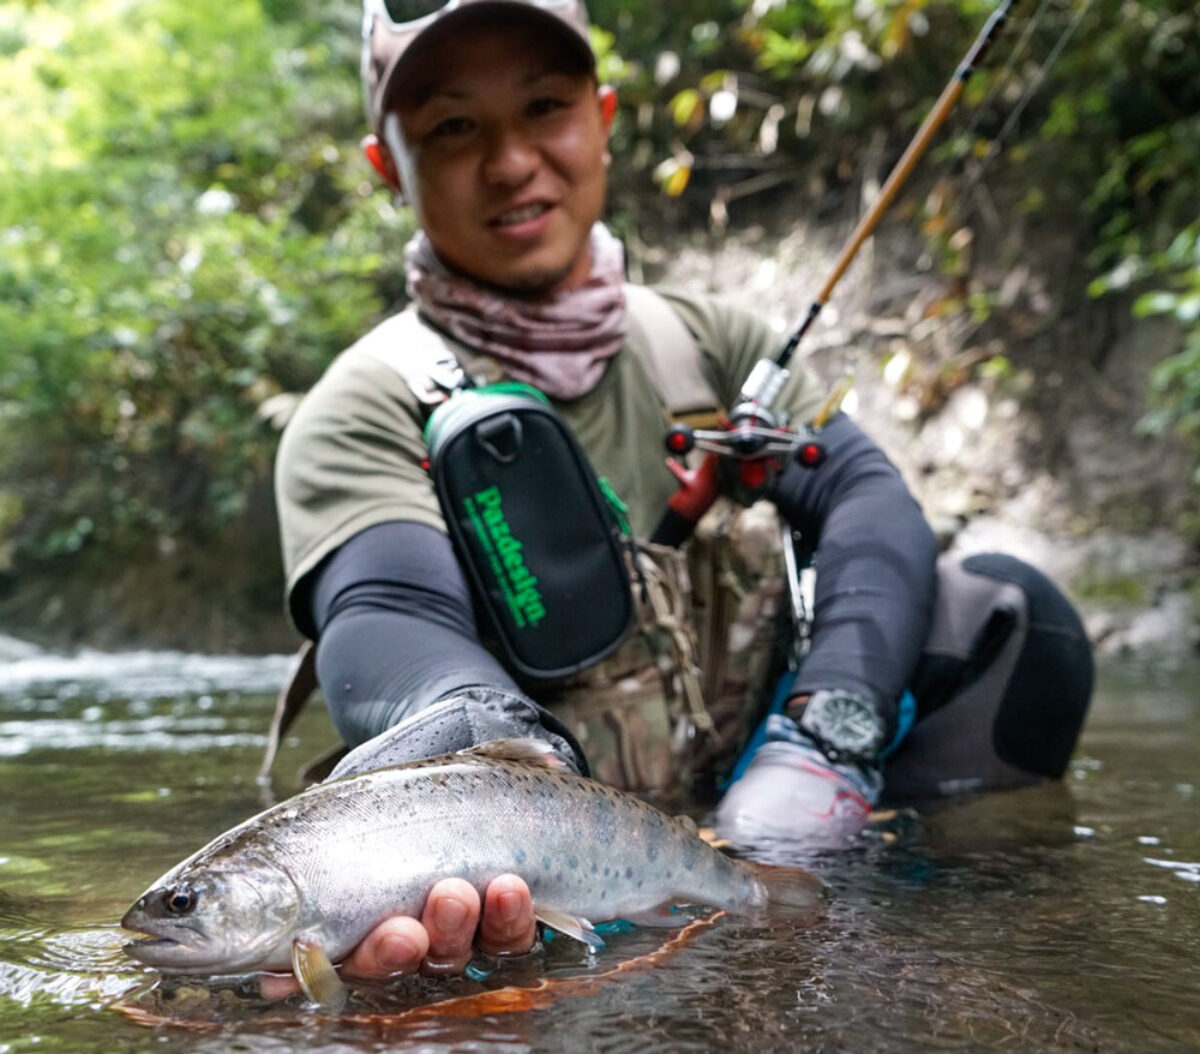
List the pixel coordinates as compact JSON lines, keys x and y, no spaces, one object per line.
{"x":332,"y":862}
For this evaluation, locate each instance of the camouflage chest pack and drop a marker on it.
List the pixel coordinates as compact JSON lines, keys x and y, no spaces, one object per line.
{"x":667,"y":714}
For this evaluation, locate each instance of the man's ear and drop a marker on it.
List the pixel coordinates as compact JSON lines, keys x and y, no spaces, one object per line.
{"x":381,"y":161}
{"x":608,"y":104}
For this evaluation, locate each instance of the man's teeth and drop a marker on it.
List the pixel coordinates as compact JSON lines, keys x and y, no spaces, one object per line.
{"x":521,"y":215}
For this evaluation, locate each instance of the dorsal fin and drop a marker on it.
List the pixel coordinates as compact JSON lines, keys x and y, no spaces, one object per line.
{"x":529,"y":750}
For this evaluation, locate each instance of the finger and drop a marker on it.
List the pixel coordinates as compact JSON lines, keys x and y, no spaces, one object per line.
{"x":451,"y":917}
{"x":272,"y":986}
{"x":396,"y":946}
{"x":508,"y":926}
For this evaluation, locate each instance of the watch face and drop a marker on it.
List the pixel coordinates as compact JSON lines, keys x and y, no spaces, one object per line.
{"x":845,"y":722}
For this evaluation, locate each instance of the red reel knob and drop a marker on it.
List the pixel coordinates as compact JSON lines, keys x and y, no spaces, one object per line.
{"x":811,"y":454}
{"x":679,"y":440}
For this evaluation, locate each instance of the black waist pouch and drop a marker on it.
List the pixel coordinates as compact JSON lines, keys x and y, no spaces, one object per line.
{"x":533,"y":528}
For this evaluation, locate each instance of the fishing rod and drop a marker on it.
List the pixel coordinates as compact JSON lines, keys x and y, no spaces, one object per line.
{"x":752,"y":441}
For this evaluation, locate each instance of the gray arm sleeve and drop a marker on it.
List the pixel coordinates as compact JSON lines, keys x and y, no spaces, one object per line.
{"x":876,"y":566}
{"x":396,"y":629}
{"x":398,"y":646}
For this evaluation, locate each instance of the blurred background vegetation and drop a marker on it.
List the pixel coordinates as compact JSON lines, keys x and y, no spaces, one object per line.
{"x":188,"y":233}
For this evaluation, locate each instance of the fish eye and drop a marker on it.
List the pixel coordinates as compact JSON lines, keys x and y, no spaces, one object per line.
{"x":179,"y":900}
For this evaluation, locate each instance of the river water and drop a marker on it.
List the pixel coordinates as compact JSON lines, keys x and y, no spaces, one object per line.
{"x":1057,"y":918}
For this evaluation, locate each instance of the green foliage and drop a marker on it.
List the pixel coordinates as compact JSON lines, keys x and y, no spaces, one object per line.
{"x":186,"y":233}
{"x":1147,"y":194}
{"x":1173,"y":276}
{"x":755,"y":95}
{"x":1111,"y":590}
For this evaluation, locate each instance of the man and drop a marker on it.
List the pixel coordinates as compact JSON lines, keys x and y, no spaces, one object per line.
{"x":488,"y":119}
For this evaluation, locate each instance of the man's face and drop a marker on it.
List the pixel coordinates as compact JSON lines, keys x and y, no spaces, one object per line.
{"x":502,"y":152}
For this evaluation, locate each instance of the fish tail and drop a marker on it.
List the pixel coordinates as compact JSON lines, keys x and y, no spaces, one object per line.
{"x":790,"y":891}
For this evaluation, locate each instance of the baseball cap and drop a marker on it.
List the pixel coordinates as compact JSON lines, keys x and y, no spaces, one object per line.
{"x":391,"y":28}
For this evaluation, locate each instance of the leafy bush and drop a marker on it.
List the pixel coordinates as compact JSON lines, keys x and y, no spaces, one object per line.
{"x":1175,"y":382}
{"x":186,"y":234}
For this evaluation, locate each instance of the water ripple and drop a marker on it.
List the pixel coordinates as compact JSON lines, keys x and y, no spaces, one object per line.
{"x":148,"y":674}
{"x":72,"y":968}
{"x":1189,"y":872}
{"x":153,"y":734}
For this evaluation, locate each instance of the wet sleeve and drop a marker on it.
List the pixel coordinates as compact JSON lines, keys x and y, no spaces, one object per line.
{"x":876,"y":566}
{"x":395,"y":628}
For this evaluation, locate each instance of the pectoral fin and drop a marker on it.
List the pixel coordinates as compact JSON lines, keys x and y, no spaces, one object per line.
{"x":572,"y":926}
{"x":316,"y":975}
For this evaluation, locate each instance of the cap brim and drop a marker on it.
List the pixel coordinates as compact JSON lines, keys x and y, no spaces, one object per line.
{"x":461,"y":17}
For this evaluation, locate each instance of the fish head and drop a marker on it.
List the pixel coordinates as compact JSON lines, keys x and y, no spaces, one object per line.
{"x":220,"y":917}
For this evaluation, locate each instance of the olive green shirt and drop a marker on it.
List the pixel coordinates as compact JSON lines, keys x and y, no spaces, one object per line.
{"x":353,"y":454}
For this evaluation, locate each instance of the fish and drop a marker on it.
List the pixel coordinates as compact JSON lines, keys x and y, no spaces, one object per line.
{"x":299,"y":885}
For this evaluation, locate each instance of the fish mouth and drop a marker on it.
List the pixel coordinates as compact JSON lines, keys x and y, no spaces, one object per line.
{"x":176,"y":950}
{"x":154,"y":933}
{"x":143,"y":948}
{"x":168,"y":954}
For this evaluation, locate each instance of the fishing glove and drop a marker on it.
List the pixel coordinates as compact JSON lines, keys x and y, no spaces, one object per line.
{"x":466,"y":718}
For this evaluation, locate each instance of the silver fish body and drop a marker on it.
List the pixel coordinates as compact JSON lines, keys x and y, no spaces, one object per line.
{"x":328,"y":865}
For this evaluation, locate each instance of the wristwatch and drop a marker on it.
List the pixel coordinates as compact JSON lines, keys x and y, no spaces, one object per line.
{"x":845,"y":725}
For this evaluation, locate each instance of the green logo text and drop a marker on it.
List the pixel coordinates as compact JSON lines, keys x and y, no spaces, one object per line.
{"x":517,"y":584}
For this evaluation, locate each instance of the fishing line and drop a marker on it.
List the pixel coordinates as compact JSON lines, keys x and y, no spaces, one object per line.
{"x":1014,"y":116}
{"x":1003,"y":74}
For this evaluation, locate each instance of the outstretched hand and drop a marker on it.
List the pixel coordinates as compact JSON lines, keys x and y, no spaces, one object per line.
{"x":453,"y":924}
